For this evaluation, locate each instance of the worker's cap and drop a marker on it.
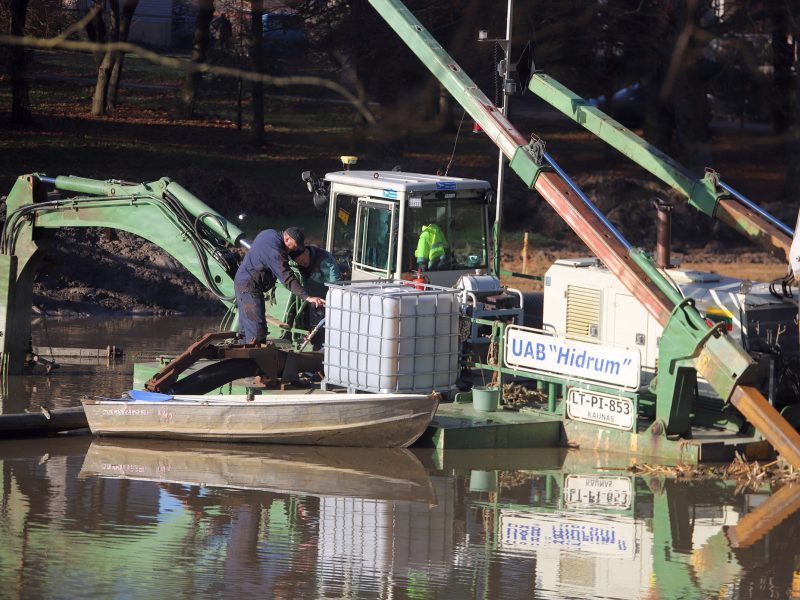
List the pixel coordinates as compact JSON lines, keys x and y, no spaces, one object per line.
{"x":300,"y":239}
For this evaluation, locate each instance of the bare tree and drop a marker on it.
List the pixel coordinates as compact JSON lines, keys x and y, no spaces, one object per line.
{"x":17,"y":66}
{"x":96,"y":31}
{"x":119,"y":57}
{"x":783,"y":25}
{"x":119,"y":26}
{"x":200,"y":43}
{"x":104,"y":70}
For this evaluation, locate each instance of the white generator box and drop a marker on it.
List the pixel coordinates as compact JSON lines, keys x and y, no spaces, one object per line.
{"x":585,"y":301}
{"x":386,"y":337}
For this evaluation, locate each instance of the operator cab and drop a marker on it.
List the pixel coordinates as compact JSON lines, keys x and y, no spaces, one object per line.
{"x":376,"y":218}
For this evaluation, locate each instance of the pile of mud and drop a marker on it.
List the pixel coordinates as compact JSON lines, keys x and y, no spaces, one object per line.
{"x":88,"y":272}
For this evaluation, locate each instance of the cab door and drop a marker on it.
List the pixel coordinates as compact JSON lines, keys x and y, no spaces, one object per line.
{"x":375,"y":250}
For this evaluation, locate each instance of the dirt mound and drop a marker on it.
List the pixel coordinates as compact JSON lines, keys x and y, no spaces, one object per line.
{"x":628,"y":203}
{"x":83,"y":272}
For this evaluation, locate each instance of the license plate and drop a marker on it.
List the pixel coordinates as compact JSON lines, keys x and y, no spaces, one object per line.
{"x":597,"y":491}
{"x":601,"y":409}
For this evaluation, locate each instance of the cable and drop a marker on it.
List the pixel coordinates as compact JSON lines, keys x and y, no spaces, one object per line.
{"x":198,"y":242}
{"x":453,"y":154}
{"x":496,"y":75}
{"x":786,"y":291}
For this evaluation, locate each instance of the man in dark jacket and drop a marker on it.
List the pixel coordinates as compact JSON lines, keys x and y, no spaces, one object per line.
{"x":318,"y":267}
{"x":266,"y":262}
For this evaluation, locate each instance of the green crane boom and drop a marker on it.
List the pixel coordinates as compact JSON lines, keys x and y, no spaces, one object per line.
{"x":707,"y":194}
{"x":688,"y":345}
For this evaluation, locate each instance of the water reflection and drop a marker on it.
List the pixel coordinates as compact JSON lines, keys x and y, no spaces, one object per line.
{"x":141,"y":338}
{"x":380,"y":474}
{"x":107,"y":518}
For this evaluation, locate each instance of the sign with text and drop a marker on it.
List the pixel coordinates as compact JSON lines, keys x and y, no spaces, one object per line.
{"x":601,"y":409}
{"x":534,"y":351}
{"x":598,"y":491}
{"x":589,"y":534}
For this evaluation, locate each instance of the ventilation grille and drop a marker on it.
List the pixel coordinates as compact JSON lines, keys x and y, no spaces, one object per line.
{"x":583,"y":311}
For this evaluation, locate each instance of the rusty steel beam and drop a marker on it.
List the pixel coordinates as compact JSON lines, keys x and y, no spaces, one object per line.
{"x":763,"y":416}
{"x":531,"y":164}
{"x":766,"y":516}
{"x":164,"y":379}
{"x":752,"y":225}
{"x":596,"y":235}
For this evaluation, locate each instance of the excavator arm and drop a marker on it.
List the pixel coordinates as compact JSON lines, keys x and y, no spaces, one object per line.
{"x":161,"y":211}
{"x":688,"y":345}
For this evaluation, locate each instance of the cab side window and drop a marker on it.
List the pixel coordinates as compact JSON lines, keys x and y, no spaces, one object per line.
{"x":374,"y":252}
{"x":344,"y":231}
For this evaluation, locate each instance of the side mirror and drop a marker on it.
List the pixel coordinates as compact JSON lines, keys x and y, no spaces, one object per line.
{"x":320,"y":200}
{"x":309,"y":179}
{"x":318,"y":188}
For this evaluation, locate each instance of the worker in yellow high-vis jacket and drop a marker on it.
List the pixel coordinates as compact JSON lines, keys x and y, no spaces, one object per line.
{"x":432,"y":248}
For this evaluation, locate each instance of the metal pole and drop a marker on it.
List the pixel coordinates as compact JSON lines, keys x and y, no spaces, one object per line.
{"x":501,"y":161}
{"x":757,"y":209}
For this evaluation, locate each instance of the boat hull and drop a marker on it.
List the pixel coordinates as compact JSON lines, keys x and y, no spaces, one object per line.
{"x":366,"y":420}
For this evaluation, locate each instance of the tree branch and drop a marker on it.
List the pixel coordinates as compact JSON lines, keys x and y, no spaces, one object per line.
{"x":189,"y":66}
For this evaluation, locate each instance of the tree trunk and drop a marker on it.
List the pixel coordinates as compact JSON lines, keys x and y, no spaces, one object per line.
{"x":658,"y":116}
{"x":690,"y":92}
{"x":119,"y":57}
{"x":96,"y":32}
{"x":692,"y":117}
{"x":104,"y":71}
{"x":199,"y":54}
{"x":257,"y":88}
{"x":17,"y":66}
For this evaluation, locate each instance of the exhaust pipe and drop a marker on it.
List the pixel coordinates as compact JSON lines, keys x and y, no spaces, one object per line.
{"x":663,"y":232}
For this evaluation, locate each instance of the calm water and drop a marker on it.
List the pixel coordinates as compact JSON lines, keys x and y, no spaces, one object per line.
{"x":140,"y":338}
{"x":124,"y":519}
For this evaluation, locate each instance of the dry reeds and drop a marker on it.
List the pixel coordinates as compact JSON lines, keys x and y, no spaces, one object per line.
{"x":748,"y":475}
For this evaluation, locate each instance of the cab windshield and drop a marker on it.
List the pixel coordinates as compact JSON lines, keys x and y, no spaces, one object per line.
{"x":446,"y":234}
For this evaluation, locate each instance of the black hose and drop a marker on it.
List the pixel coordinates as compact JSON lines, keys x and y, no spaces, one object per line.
{"x":198,"y":242}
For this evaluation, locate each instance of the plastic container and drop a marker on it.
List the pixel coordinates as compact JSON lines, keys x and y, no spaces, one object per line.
{"x":386,"y":337}
{"x":482,"y":481}
{"x":485,"y":398}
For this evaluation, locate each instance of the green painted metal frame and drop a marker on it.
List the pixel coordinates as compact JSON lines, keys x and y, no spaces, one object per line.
{"x":648,"y":285}
{"x":665,"y":503}
{"x":705,"y":194}
{"x":162,"y":212}
{"x":688,"y":345}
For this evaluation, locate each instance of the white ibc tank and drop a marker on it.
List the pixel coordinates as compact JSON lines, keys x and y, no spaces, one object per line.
{"x":385,"y":337}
